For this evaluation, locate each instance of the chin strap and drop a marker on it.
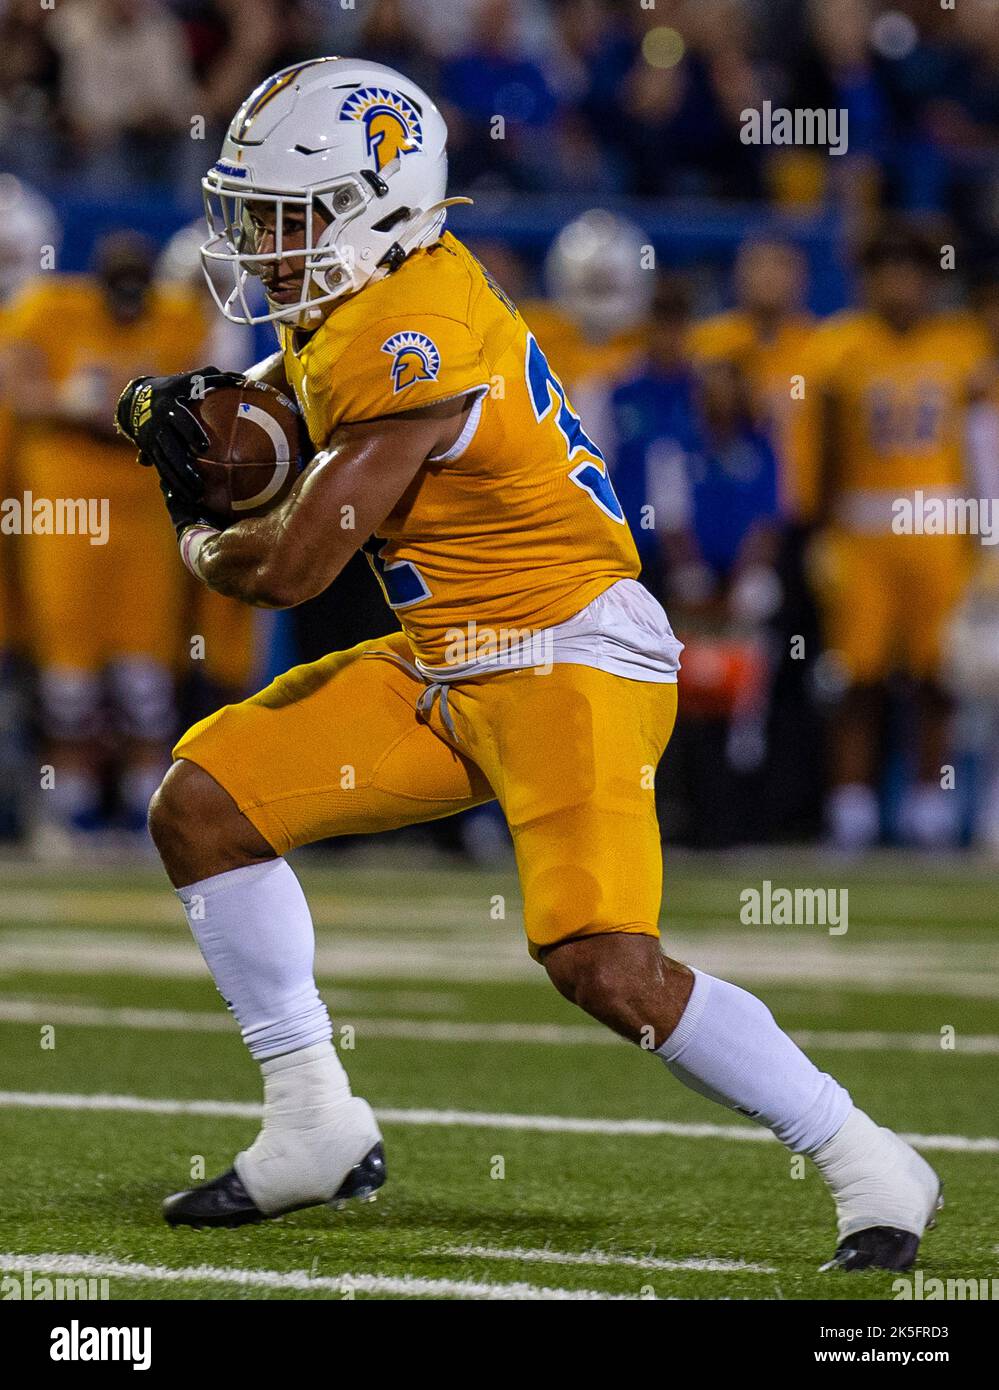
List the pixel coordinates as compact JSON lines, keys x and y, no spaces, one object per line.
{"x":397,"y":253}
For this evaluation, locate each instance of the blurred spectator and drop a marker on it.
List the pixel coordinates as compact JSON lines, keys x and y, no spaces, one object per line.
{"x":837,"y":69}
{"x":681,"y":102}
{"x":125,"y":82}
{"x":392,"y":34}
{"x":491,"y":81}
{"x":29,"y":88}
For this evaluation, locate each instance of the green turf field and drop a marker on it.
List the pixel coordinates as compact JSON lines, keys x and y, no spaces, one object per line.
{"x":486,"y":1081}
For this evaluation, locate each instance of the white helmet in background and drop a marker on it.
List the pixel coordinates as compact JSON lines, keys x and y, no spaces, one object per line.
{"x":594,"y":270}
{"x":355,"y":141}
{"x":27,"y":224}
{"x":181,"y":263}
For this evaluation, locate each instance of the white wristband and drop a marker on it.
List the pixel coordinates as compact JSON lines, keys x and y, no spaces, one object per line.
{"x":192,"y":542}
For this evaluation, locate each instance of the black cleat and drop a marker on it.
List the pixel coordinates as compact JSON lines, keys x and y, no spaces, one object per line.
{"x":879,"y":1247}
{"x":224,"y":1201}
{"x":363,"y":1180}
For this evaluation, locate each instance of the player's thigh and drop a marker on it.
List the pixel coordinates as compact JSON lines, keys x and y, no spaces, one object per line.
{"x":572,"y":755}
{"x":937,"y":570}
{"x":61,"y":579}
{"x":228,"y":630}
{"x":143,"y":580}
{"x":334,"y":748}
{"x":857,"y":603}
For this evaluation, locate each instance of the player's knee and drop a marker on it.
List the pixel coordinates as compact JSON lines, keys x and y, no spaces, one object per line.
{"x":198,"y":828}
{"x":173,"y":804}
{"x":624,"y":980}
{"x":591,"y":973}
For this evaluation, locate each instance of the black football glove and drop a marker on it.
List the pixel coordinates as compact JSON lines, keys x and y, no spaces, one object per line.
{"x":153,"y":413}
{"x":184,"y":512}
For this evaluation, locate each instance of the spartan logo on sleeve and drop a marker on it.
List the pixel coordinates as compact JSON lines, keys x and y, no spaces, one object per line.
{"x":414,"y":358}
{"x":391,"y":123}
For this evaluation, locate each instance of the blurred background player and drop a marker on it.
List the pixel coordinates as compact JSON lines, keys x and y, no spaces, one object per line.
{"x":765,"y":335}
{"x":696,"y":475}
{"x":104,"y":617}
{"x":217,"y":669}
{"x":894,"y":379}
{"x":29,"y":235}
{"x":599,"y":279}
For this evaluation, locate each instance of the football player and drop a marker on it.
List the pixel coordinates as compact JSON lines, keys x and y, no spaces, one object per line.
{"x":447,"y":447}
{"x":765,"y":335}
{"x":228,"y":628}
{"x":72,"y":340}
{"x":895,"y":379}
{"x":29,"y":234}
{"x":593,"y":323}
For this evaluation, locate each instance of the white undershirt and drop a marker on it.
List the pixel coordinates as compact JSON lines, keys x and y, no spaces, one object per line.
{"x":624,"y":631}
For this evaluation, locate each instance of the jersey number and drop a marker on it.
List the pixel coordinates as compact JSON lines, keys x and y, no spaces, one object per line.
{"x":591,"y":473}
{"x":402,"y":583}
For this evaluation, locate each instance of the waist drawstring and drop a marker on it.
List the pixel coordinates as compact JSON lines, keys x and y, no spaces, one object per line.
{"x":434,"y":689}
{"x":425,"y":704}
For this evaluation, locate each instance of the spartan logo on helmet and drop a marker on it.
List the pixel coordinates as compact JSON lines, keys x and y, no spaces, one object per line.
{"x":414,"y":358}
{"x":391,"y":124}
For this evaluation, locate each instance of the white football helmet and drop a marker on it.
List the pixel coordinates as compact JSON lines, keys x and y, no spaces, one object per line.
{"x":28,"y":224}
{"x":594,"y":270}
{"x":356,"y":142}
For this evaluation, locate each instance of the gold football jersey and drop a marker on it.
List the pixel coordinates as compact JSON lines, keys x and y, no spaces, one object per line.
{"x":517,"y":525}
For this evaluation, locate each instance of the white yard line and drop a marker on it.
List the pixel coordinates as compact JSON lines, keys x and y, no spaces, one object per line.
{"x":602,"y":1258}
{"x":54,"y":1011}
{"x":296,"y":1280}
{"x":459,"y":1119}
{"x":806,"y":958}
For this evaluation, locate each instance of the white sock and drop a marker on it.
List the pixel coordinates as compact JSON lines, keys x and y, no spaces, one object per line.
{"x":930,"y":816}
{"x":314,"y":1131}
{"x":72,"y":794}
{"x":728,"y":1047}
{"x":854,"y":816}
{"x":876,"y":1178}
{"x":254,"y":929}
{"x":136,"y":787}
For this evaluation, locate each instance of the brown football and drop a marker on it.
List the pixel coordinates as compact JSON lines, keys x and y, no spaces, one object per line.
{"x":257,"y":446}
